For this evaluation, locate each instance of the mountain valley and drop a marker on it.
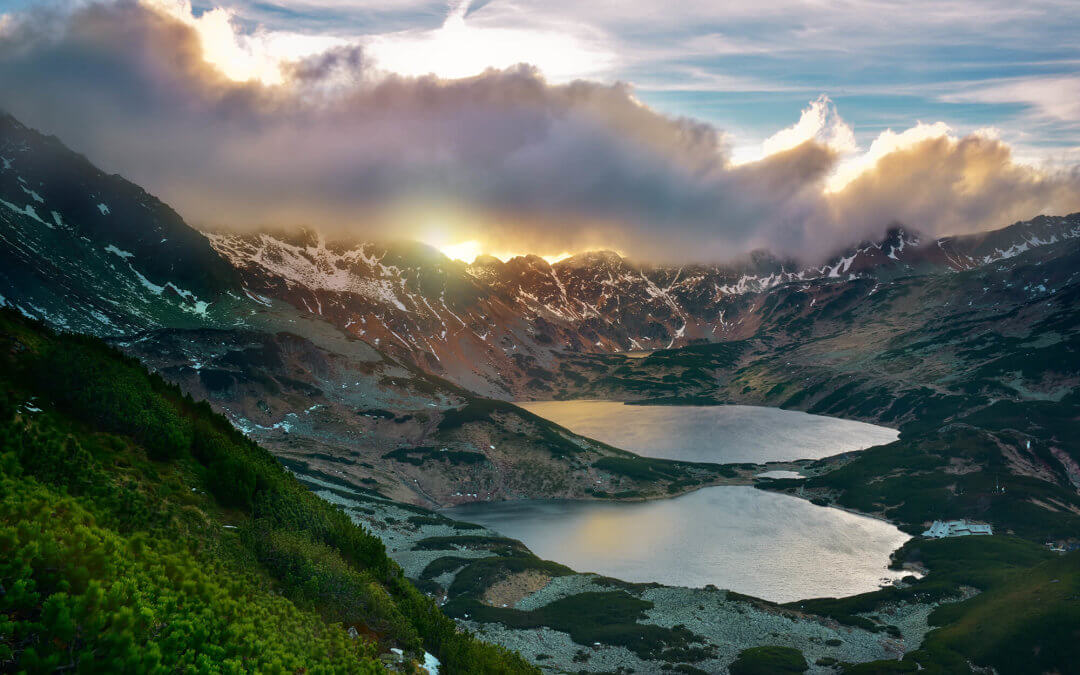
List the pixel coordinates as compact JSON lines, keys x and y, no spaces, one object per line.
{"x":382,"y":376}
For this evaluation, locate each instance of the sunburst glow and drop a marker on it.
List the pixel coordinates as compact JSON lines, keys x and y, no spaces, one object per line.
{"x":469,"y":251}
{"x":243,"y":57}
{"x":459,"y":49}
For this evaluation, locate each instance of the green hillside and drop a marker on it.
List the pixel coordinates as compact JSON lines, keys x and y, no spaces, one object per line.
{"x":139,"y":532}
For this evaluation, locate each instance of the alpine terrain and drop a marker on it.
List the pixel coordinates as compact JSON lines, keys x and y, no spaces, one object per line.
{"x":153,"y":374}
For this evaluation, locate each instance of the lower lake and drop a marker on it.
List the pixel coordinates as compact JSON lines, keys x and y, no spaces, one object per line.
{"x":765,"y":544}
{"x":722,"y":434}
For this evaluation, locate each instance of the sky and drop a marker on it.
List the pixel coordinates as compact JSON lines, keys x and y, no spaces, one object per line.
{"x":750,"y":68}
{"x":699,"y":130}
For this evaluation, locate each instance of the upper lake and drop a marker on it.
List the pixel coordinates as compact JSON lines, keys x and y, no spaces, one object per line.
{"x":722,"y":434}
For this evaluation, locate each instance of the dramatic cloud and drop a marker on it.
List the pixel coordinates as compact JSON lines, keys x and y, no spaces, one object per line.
{"x":956,"y":185}
{"x":887,"y":142}
{"x":255,"y":56}
{"x":820,"y":123}
{"x":219,"y":126}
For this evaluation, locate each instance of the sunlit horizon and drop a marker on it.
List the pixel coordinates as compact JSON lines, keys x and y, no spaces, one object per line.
{"x":468,"y":251}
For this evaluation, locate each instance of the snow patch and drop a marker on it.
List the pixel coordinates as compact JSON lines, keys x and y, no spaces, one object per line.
{"x":28,"y":211}
{"x":112,"y":248}
{"x":258,"y":298}
{"x":149,"y":285}
{"x":314,"y":267}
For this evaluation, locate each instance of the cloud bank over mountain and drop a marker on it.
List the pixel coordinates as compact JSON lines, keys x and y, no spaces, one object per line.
{"x":328,"y":138}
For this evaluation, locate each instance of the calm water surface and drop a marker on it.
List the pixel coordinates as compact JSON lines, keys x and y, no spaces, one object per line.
{"x":722,"y":434}
{"x":764,"y":544}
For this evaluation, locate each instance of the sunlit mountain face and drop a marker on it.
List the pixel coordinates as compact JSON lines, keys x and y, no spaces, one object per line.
{"x":497,"y":128}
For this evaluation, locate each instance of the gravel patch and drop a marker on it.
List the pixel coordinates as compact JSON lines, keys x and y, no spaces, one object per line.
{"x":561,"y":650}
{"x":510,"y":590}
{"x":913,"y":618}
{"x":734,"y":626}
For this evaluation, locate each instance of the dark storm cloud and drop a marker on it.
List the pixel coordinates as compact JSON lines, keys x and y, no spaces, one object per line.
{"x":505,"y":157}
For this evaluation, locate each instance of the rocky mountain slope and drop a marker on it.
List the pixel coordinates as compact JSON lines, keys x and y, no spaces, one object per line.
{"x":498,"y":327}
{"x":94,"y":253}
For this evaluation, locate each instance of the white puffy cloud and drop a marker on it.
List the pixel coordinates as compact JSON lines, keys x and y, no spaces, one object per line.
{"x":241,"y":56}
{"x":945,"y":184}
{"x":888,"y":141}
{"x":821,"y":123}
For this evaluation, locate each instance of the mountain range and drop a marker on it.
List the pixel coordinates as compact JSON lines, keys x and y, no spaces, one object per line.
{"x":493,"y":326}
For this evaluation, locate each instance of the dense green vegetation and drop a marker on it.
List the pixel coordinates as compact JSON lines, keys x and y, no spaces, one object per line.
{"x":475,"y":410}
{"x":499,"y":545}
{"x":915,"y":480}
{"x":606,"y":617}
{"x":139,"y":532}
{"x":442,"y":520}
{"x":1024,"y":619}
{"x":1027,"y":623}
{"x":439,"y":566}
{"x":640,"y":468}
{"x":769,"y":661}
{"x":480,"y":574}
{"x":417,"y":456}
{"x":682,"y":475}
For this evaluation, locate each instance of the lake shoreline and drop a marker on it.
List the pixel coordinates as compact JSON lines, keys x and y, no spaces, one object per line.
{"x":727,"y":622}
{"x":411,"y":541}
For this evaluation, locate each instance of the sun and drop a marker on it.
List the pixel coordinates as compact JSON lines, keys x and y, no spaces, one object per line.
{"x":465,"y":251}
{"x":468,"y":251}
